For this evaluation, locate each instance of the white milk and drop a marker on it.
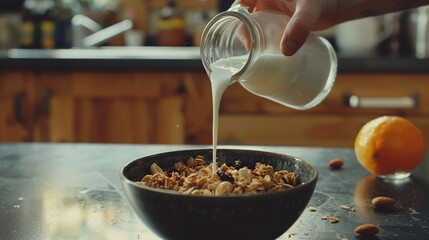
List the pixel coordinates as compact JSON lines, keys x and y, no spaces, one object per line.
{"x":282,"y":79}
{"x":272,"y":76}
{"x":220,"y":78}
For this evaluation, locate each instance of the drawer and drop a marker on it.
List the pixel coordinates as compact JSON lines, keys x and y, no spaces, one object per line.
{"x":321,"y":130}
{"x":370,"y":93}
{"x":395,"y":94}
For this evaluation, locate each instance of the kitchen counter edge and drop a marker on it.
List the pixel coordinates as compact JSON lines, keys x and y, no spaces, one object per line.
{"x":171,"y":59}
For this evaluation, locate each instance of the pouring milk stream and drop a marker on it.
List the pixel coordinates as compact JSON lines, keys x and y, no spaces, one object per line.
{"x":300,"y":82}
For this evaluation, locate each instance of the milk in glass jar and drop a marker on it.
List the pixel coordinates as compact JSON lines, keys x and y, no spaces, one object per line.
{"x":244,"y":48}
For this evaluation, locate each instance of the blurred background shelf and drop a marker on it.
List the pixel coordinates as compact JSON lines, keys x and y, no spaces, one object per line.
{"x":173,"y":58}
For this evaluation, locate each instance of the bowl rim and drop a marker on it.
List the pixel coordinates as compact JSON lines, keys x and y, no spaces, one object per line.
{"x":125,"y":179}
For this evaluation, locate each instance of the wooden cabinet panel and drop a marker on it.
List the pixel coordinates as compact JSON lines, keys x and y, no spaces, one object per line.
{"x":198,"y":108}
{"x":61,"y":119}
{"x":289,"y":130}
{"x":116,"y":84}
{"x":170,"y":127}
{"x":248,"y":119}
{"x":113,"y":121}
{"x":324,"y":130}
{"x":11,"y":130}
{"x":176,"y":107}
{"x":14,"y":107}
{"x":88,"y":106}
{"x":12,"y":82}
{"x":379,"y":86}
{"x":116,"y":107}
{"x":375,"y":85}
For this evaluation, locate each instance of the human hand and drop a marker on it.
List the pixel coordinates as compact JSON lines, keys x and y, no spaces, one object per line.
{"x":309,"y":15}
{"x":306,"y":15}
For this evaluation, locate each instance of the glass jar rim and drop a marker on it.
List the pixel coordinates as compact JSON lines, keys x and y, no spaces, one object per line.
{"x":242,"y":14}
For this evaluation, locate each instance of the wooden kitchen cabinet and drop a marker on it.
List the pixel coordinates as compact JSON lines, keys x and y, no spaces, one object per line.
{"x":14,"y":107}
{"x":176,"y":107}
{"x":99,"y":107}
{"x":108,"y":107}
{"x":247,"y":119}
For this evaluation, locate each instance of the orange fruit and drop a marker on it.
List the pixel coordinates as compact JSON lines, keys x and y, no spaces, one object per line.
{"x":388,"y":145}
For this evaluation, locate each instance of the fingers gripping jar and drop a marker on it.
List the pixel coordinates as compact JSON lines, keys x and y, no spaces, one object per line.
{"x":247,"y":45}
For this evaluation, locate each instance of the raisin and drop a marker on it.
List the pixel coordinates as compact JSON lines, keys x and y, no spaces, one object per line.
{"x":224,"y":176}
{"x":237,"y":164}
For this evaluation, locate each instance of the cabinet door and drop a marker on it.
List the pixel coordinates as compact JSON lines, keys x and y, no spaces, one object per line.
{"x":14,"y":107}
{"x":323,"y":130}
{"x":12,"y":127}
{"x":355,"y":99}
{"x":102,"y":120}
{"x":96,"y":107}
{"x":111,"y":107}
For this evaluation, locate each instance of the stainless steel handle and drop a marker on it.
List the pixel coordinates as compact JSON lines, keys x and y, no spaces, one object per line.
{"x":107,"y":33}
{"x":396,"y":102}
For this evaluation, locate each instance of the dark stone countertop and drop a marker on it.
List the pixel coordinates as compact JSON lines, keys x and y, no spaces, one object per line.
{"x":172,"y":59}
{"x":72,"y":191}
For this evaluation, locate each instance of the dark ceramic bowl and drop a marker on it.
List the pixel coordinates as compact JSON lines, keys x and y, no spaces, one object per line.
{"x":172,"y":215}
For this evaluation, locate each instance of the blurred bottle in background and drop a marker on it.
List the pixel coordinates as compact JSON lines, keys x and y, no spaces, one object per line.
{"x":171,"y":26}
{"x":10,"y":22}
{"x":28,"y":25}
{"x":47,"y":24}
{"x":6,"y":35}
{"x":38,"y":24}
{"x":65,"y":10}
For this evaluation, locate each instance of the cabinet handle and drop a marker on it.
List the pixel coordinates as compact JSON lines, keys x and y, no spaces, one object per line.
{"x":18,"y":100}
{"x":400,"y":102}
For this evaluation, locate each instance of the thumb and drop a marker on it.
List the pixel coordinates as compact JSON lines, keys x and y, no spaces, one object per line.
{"x":299,"y":27}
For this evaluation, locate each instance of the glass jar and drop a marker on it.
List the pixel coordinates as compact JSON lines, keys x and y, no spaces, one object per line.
{"x":248,"y":45}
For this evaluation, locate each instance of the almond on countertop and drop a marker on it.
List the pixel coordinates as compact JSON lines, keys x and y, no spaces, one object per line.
{"x":333,"y":219}
{"x":336,"y":163}
{"x":312,"y":209}
{"x":345,"y":207}
{"x":367,"y":229}
{"x":383,"y":202}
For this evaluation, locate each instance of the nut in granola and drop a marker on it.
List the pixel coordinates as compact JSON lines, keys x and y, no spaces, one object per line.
{"x":223,"y":188}
{"x":154,"y":168}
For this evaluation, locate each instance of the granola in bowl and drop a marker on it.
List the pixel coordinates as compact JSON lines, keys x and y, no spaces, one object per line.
{"x":194,"y":177}
{"x":180,"y":197}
